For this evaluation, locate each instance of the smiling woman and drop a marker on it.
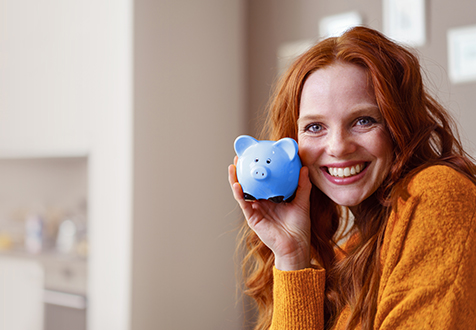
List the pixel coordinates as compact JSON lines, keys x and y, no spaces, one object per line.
{"x":342,"y":137}
{"x":374,"y":143}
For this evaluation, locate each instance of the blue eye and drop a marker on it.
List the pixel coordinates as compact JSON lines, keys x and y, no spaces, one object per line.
{"x":366,"y":121}
{"x":313,"y":128}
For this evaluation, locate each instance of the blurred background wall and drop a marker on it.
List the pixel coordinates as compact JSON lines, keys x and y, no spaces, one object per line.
{"x":272,"y":23}
{"x":188,"y":108}
{"x":140,"y":102}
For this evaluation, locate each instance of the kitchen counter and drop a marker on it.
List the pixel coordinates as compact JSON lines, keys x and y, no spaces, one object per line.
{"x":64,"y":273}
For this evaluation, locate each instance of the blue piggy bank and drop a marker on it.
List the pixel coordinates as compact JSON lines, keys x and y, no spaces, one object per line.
{"x":267,"y":169}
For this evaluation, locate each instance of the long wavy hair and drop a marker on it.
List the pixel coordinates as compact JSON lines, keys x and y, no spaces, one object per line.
{"x":422,"y":133}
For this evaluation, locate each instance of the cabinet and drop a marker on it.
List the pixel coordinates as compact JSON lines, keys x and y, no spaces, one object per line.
{"x":55,"y":189}
{"x":66,"y":93}
{"x":21,"y":289}
{"x":65,"y":303}
{"x":61,"y":318}
{"x":44,"y":79}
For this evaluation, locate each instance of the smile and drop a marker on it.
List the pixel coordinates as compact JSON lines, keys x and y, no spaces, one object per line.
{"x":345,"y":172}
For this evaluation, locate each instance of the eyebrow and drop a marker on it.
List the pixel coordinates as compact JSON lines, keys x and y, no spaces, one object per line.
{"x":358,"y":111}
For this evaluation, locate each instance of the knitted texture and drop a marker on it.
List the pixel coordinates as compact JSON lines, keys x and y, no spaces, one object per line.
{"x":428,"y":264}
{"x":299,"y":300}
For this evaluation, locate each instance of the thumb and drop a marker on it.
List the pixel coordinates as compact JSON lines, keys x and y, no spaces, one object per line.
{"x":304,"y":186}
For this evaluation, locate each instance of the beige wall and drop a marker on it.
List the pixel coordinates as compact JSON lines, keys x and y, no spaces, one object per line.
{"x":272,"y":22}
{"x":188,"y":106}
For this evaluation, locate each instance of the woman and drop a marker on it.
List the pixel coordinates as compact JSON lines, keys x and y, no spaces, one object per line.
{"x":373,"y":142}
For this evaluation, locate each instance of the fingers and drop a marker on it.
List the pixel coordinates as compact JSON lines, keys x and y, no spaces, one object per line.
{"x":232,"y":178}
{"x":238,"y":192}
{"x":235,"y":186}
{"x":232,"y":175}
{"x":245,"y":206}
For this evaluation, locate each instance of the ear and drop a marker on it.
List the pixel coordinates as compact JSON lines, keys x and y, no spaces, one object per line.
{"x":243,"y":142}
{"x":289,"y":146}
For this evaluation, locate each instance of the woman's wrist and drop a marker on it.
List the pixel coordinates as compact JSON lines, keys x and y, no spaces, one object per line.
{"x":289,"y":264}
{"x":297,"y":257}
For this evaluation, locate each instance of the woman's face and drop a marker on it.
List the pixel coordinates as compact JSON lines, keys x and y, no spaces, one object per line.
{"x":341,"y":134}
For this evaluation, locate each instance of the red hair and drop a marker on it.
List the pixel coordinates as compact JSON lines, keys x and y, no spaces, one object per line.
{"x":422,"y":134}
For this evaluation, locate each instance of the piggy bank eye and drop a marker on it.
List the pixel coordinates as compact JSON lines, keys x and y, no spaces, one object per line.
{"x":268,"y":161}
{"x":256,"y":160}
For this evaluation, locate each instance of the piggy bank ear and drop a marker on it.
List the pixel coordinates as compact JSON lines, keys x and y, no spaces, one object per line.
{"x":243,"y":142}
{"x":289,"y":146}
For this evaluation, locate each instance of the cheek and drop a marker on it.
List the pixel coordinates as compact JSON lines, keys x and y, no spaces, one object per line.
{"x":385,"y":151}
{"x":308,"y":152}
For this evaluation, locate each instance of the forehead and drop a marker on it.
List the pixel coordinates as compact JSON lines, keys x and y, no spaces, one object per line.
{"x":338,"y":86}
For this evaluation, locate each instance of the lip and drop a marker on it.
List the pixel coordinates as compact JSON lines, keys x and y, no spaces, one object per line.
{"x":348,"y":180}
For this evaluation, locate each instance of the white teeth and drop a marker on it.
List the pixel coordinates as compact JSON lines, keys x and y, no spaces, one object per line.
{"x":344,"y":172}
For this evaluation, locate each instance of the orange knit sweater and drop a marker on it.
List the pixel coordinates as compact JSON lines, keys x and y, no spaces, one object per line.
{"x":429,"y":264}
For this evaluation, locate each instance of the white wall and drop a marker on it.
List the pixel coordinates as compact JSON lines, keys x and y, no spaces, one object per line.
{"x":45,"y":62}
{"x":108,"y":25}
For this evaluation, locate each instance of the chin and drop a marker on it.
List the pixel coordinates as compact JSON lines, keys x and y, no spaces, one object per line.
{"x":348,"y":201}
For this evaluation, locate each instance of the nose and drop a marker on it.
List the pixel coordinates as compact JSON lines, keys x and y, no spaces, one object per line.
{"x":259,"y":173}
{"x":340,"y":143}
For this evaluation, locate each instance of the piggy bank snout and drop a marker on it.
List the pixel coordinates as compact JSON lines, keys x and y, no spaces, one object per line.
{"x":259,"y":173}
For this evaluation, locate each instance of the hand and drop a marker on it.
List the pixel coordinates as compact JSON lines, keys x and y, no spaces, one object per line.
{"x":285,"y":228}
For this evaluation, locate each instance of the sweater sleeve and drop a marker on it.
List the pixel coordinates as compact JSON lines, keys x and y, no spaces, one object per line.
{"x":429,"y":255}
{"x":298,"y":299}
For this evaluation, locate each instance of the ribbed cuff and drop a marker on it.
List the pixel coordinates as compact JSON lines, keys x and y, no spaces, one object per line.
{"x":298,"y":299}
